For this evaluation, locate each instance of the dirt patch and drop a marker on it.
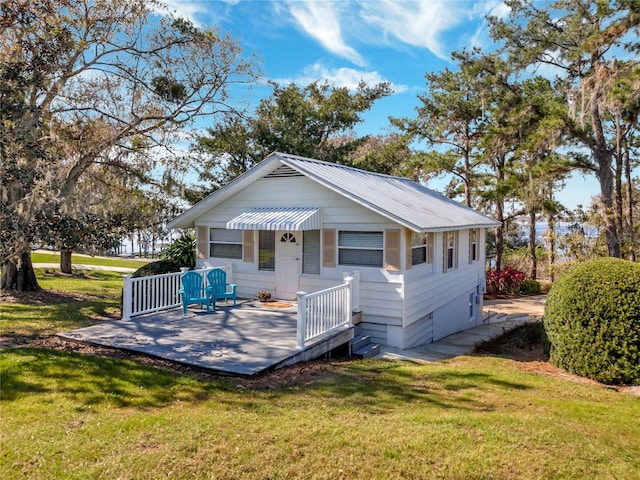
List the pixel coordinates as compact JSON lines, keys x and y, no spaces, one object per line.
{"x":43,"y":297}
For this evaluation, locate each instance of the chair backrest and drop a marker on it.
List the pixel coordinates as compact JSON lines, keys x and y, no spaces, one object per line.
{"x":217,"y":279}
{"x":192,"y":284}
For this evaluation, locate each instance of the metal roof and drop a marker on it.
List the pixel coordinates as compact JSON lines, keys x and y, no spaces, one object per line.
{"x":295,"y":219}
{"x":400,"y":199}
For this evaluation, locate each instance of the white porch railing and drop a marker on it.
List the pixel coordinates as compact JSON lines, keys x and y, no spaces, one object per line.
{"x":156,"y":293}
{"x":324,"y":311}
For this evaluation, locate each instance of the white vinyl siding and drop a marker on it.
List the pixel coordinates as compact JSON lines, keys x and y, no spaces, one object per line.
{"x":364,"y":249}
{"x":225,"y":243}
{"x":311,"y":252}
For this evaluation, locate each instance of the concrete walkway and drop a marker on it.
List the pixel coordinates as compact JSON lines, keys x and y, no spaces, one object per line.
{"x":503,"y":315}
{"x":77,"y":266}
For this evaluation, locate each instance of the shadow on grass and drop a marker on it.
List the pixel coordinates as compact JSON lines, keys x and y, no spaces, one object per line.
{"x":91,"y":380}
{"x":374,"y":387}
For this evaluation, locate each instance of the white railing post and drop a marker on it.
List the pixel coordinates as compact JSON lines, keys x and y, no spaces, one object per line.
{"x":349,"y":298}
{"x":302,"y":318}
{"x":355,"y":292}
{"x":127,"y":298}
{"x":229,"y":270}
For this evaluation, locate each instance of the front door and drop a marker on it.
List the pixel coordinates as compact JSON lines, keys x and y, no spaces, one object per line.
{"x":288,"y":256}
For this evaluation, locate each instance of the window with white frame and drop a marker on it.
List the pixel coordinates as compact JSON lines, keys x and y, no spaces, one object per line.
{"x":311,"y":252}
{"x":225,"y":243}
{"x":363,"y":249}
{"x":451,"y":247}
{"x":421,"y":245}
{"x":473,"y":245}
{"x":266,"y":250}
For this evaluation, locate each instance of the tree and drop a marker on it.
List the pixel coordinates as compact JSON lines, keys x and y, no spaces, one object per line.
{"x":91,"y":83}
{"x":313,"y":121}
{"x":451,"y":121}
{"x":582,"y":40}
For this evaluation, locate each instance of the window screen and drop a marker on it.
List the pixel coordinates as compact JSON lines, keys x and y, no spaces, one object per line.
{"x":311,"y":252}
{"x":361,"y":248}
{"x":225,"y":243}
{"x":266,"y":250}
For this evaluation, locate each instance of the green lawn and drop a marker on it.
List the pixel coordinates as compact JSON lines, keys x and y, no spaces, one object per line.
{"x":66,"y":415}
{"x":54,"y":257}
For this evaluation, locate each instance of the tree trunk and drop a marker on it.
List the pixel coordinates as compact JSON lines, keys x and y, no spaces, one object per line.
{"x":603,"y":156}
{"x":65,"y":261}
{"x":18,"y":274}
{"x":551,"y":227}
{"x":605,"y":176}
{"x":499,"y":235}
{"x":631,"y":234}
{"x":532,"y":245}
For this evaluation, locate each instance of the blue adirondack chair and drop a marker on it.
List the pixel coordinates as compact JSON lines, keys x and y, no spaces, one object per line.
{"x":191,"y":291}
{"x":219,"y":288}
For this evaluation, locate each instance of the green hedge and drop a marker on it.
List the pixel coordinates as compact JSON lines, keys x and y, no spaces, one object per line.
{"x":157,"y":268}
{"x":592,"y":320}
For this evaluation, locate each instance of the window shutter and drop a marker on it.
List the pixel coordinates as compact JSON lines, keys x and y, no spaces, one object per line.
{"x":430,"y":247}
{"x":247,"y":246}
{"x":329,"y":248}
{"x":392,"y":250}
{"x":202,"y":245}
{"x":445,"y":247}
{"x":408,"y":234}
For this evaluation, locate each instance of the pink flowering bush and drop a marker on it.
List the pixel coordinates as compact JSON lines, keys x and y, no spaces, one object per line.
{"x":507,"y":280}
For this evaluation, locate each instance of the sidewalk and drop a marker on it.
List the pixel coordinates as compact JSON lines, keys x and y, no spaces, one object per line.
{"x":77,"y":266}
{"x":503,"y":314}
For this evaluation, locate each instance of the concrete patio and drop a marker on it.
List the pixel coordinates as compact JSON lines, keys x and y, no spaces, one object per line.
{"x":242,"y":340}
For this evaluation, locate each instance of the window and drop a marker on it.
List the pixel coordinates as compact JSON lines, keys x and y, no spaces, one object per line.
{"x":421,"y":248}
{"x":450,"y":247}
{"x":472,"y":301}
{"x":473,"y":245}
{"x":311,"y":252}
{"x":266,"y":250}
{"x":363,"y":249}
{"x":225,"y":243}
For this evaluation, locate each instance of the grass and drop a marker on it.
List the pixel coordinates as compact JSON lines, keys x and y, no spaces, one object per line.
{"x":54,"y":257}
{"x":101,"y":292}
{"x":66,"y":415}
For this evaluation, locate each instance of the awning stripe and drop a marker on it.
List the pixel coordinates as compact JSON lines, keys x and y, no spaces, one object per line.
{"x":290,"y":218}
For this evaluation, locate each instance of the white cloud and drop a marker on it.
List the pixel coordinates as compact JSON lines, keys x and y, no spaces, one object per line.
{"x":418,"y":23}
{"x":321,"y":20}
{"x":199,"y":12}
{"x":339,"y":77}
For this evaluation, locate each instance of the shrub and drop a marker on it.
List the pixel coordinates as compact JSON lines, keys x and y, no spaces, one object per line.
{"x":530,"y":287}
{"x":507,"y":280}
{"x":157,"y":268}
{"x":592,"y":319}
{"x":182,"y":251}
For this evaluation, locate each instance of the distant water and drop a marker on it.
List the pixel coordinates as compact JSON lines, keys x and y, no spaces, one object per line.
{"x":561,"y":228}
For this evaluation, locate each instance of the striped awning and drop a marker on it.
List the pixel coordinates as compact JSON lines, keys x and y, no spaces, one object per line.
{"x":288,"y":218}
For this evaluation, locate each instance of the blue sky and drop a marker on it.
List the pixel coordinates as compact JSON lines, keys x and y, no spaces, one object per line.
{"x":345,"y":41}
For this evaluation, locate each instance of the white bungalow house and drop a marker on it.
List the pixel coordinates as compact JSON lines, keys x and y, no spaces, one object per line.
{"x":295,"y":224}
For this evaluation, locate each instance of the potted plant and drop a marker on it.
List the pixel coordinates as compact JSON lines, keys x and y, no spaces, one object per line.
{"x":263,"y":295}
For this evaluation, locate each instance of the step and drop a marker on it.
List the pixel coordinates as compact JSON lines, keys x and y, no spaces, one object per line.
{"x":359,"y":341}
{"x":367,"y":351}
